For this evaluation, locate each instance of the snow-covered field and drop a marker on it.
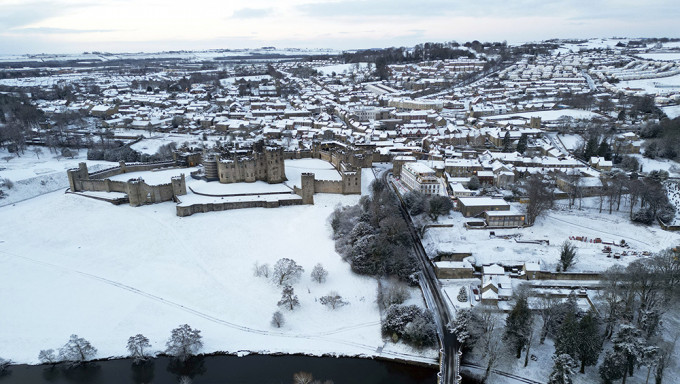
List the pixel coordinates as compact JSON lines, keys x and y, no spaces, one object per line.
{"x":104,"y":272}
{"x":340,"y":68}
{"x":551,"y":114}
{"x":590,"y":44}
{"x":651,"y":86}
{"x":661,"y":56}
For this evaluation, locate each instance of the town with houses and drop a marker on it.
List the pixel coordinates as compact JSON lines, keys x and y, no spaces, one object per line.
{"x":544,"y":175}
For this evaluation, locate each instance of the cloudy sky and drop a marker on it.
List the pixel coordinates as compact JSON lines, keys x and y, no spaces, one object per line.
{"x":70,"y":26}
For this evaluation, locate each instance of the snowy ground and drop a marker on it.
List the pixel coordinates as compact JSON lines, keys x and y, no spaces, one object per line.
{"x":322,"y":170}
{"x":661,"y":56}
{"x":155,"y":177}
{"x":571,"y":141}
{"x":658,"y":164}
{"x":33,"y":176}
{"x":550,"y":115}
{"x":557,"y":226}
{"x":104,"y":272}
{"x":217,"y":188}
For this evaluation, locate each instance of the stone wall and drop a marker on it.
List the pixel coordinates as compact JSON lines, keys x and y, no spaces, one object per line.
{"x":138,"y":191}
{"x":547,"y":275}
{"x":294,"y":155}
{"x":454,"y":273}
{"x":189,"y":210}
{"x":452,"y":256}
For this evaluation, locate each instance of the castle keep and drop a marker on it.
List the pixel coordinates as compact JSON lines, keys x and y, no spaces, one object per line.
{"x":266,"y":165}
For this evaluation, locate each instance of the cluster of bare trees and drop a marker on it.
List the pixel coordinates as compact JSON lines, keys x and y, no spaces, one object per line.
{"x":75,"y":352}
{"x":646,"y":197}
{"x":649,"y":194}
{"x":285,"y":273}
{"x":539,"y":191}
{"x":18,"y":117}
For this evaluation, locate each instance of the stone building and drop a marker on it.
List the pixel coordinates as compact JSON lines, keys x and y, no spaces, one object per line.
{"x":420,"y":178}
{"x":267,"y":165}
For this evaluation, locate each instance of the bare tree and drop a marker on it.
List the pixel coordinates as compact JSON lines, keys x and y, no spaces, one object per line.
{"x":332,"y":300}
{"x":574,"y":187}
{"x":612,"y":294}
{"x":38,"y":151}
{"x":289,"y":298}
{"x":277,"y":319}
{"x":261,"y":270}
{"x":77,"y":350}
{"x":635,"y":189}
{"x":490,"y":342}
{"x":136,"y":345}
{"x":184,"y":342}
{"x":48,"y":356}
{"x":540,"y":194}
{"x":287,"y":272}
{"x":319,"y":274}
{"x":666,"y":353}
{"x":546,"y":310}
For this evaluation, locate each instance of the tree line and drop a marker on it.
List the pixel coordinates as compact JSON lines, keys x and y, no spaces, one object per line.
{"x":374,"y":238}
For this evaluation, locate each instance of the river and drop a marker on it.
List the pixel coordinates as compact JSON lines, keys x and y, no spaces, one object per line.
{"x":260,"y":369}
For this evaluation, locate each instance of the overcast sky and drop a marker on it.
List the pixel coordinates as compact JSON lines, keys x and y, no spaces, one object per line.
{"x":71,"y":26}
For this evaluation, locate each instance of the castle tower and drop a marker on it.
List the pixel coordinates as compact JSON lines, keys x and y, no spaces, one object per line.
{"x":535,"y":122}
{"x":77,"y":174}
{"x":275,"y":165}
{"x":307,"y":188}
{"x":134,"y":192}
{"x":351,"y":181}
{"x":210,"y":167}
{"x":179,"y":186}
